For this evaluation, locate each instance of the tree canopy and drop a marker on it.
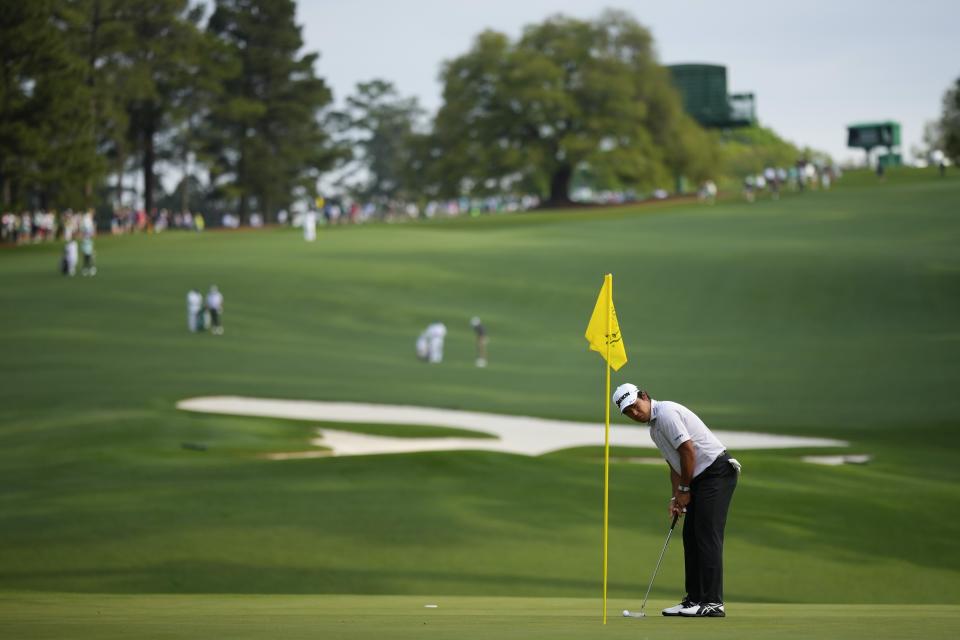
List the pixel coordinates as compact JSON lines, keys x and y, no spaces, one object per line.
{"x":569,"y":93}
{"x":92,"y":91}
{"x":379,"y":126}
{"x":950,"y":123}
{"x":47,"y":143}
{"x":264,"y":137}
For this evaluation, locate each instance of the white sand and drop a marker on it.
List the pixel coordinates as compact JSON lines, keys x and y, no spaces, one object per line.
{"x":514,"y":434}
{"x":834,"y":461}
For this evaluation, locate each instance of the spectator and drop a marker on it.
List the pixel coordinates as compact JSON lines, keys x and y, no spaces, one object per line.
{"x":708,"y":192}
{"x":310,"y":225}
{"x":748,"y":188}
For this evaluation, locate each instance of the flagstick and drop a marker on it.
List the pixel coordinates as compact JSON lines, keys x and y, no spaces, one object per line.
{"x":606,"y":448}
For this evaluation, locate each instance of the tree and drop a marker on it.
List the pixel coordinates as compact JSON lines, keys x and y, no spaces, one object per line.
{"x":568,"y":94}
{"x":749,"y":150}
{"x":163,"y":64}
{"x":264,"y":138}
{"x":380,"y":126}
{"x":950,"y":123}
{"x":100,"y":34}
{"x":47,"y":153}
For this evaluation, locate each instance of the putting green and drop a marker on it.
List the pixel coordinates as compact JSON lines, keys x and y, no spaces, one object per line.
{"x":103,"y":617}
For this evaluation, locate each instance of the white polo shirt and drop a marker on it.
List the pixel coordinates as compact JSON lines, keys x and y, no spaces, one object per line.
{"x":672,"y":424}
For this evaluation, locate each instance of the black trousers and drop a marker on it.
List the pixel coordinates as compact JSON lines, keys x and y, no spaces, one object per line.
{"x":703,"y":526}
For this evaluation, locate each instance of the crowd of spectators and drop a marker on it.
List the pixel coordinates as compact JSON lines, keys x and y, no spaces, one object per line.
{"x":127,"y":220}
{"x":347,"y":211}
{"x":43,"y":225}
{"x":802,"y":176}
{"x":46,"y":225}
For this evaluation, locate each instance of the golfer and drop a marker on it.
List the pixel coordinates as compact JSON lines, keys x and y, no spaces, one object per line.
{"x":703,"y":477}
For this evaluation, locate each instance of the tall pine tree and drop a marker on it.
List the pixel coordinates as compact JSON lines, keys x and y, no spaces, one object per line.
{"x":47,"y":151}
{"x":264,"y":136}
{"x":380,"y":126}
{"x":165,"y":59}
{"x":100,"y":34}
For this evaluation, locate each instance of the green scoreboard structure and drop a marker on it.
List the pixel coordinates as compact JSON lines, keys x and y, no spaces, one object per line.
{"x":870,"y":135}
{"x":703,"y":88}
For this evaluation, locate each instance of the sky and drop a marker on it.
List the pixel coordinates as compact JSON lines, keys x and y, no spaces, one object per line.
{"x":814,"y":65}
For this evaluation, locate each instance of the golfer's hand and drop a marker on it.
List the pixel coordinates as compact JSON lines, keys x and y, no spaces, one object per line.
{"x":674,"y":509}
{"x":682,"y":499}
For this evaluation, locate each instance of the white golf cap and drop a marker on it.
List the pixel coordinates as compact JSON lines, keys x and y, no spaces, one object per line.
{"x":625,"y":395}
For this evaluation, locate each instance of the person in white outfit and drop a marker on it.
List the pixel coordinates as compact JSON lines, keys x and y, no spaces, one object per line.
{"x":194,"y":310}
{"x":215,"y":308}
{"x":310,"y":225}
{"x":70,"y":256}
{"x":423,"y":346}
{"x":435,"y":334}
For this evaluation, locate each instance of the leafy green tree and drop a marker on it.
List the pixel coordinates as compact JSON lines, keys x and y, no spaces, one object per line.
{"x":950,"y":123}
{"x":264,"y":137}
{"x":380,"y":126}
{"x":749,"y":150}
{"x":100,"y":34}
{"x":163,"y":65}
{"x":47,"y":153}
{"x":568,"y":94}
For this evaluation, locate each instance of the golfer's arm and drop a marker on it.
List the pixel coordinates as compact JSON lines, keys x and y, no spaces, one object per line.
{"x":688,"y":460}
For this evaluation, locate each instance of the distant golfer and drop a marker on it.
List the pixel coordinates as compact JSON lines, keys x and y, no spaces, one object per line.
{"x":215,"y":309}
{"x":703,"y":477}
{"x":194,"y":310}
{"x":481,"y":333}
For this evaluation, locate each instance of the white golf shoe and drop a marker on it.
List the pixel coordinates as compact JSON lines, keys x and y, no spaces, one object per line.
{"x":677,"y":608}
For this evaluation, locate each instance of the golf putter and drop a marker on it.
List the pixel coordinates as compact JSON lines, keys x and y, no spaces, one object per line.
{"x":640,"y":614}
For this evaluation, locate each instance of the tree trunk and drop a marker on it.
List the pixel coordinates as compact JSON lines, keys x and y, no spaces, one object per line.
{"x":242,"y":176}
{"x":149,"y":158}
{"x":120,"y":163}
{"x":95,"y":23}
{"x":185,"y":192}
{"x":560,"y":186}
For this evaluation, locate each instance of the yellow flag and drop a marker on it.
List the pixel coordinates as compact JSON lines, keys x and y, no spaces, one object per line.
{"x":598,"y":334}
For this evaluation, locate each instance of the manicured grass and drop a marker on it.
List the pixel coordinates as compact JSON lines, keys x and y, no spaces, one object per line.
{"x":464,"y":618}
{"x":828,"y":313}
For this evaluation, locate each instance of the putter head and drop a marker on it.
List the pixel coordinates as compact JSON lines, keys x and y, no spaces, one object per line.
{"x":633,"y":614}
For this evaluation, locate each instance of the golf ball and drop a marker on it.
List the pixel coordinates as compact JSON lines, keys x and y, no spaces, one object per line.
{"x":626,"y":614}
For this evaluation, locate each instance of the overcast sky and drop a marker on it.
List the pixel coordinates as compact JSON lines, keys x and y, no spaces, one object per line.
{"x":814,"y":65}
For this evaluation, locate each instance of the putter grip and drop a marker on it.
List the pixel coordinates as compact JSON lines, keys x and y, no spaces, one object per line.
{"x":676,"y":517}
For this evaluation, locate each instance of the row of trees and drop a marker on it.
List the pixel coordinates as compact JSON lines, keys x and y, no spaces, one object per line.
{"x":93,"y":89}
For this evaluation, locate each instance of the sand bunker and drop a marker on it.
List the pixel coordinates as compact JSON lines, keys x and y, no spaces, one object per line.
{"x":513,"y":434}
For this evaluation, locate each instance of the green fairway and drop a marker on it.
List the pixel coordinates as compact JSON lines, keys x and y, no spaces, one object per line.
{"x":462,"y":618}
{"x":831,"y":314}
